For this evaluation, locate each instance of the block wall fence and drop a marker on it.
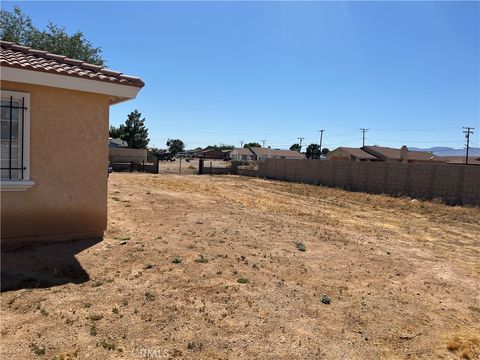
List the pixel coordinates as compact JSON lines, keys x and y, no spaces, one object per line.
{"x":454,"y":184}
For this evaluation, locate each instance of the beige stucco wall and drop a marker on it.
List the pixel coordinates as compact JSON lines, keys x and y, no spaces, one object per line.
{"x":68,"y":163}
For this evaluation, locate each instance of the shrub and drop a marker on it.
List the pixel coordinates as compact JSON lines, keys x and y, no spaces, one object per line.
{"x":177,"y":260}
{"x":149,"y":296}
{"x":300,"y":246}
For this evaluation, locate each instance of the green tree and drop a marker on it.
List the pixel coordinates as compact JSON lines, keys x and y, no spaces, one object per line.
{"x":219,"y":147}
{"x":18,"y":28}
{"x":313,"y":151}
{"x":175,"y":146}
{"x":325,"y":151}
{"x":133,"y":132}
{"x":295,"y":147}
{"x":252,"y":144}
{"x":114,"y":132}
{"x":15,"y":26}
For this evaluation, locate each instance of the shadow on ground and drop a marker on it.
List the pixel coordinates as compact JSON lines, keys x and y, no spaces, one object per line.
{"x":43,"y":265}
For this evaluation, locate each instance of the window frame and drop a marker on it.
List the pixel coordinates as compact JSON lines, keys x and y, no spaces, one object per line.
{"x":24,"y":183}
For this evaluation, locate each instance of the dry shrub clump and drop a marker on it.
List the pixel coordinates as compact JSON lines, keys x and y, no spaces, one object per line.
{"x":467,"y":345}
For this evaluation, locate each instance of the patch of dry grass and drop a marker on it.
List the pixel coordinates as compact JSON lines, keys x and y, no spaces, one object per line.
{"x":467,"y":345}
{"x":373,"y":214}
{"x":213,"y":267}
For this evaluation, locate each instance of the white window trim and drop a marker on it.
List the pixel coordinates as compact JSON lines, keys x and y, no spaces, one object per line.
{"x":25,"y":183}
{"x":17,"y":185}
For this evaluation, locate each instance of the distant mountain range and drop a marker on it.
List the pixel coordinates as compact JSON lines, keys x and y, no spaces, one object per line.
{"x":447,"y":151}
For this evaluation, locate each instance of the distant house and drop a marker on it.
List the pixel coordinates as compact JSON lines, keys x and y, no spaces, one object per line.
{"x":266,"y":153}
{"x":54,"y":126}
{"x":226,"y":154}
{"x":472,"y":160}
{"x":242,"y":154}
{"x":163,"y":155}
{"x":350,"y":154}
{"x":213,"y":154}
{"x":116,"y":143}
{"x":383,"y":154}
{"x":260,"y":154}
{"x":190,"y":153}
{"x":387,"y":154}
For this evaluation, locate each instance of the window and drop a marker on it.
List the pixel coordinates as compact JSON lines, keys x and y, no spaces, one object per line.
{"x":14,"y":141}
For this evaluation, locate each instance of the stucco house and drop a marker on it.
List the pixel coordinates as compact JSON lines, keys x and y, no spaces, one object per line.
{"x":267,"y":153}
{"x":54,"y":143}
{"x":387,"y":154}
{"x":350,"y":154}
{"x":382,"y":154}
{"x":260,"y":154}
{"x":213,"y":154}
{"x":242,"y":154}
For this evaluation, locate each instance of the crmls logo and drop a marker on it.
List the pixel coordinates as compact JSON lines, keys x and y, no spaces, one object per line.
{"x":154,"y":353}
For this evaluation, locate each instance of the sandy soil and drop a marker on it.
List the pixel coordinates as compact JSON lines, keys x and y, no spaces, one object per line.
{"x":201,"y":267}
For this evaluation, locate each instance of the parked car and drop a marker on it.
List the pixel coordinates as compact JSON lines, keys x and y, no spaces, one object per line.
{"x":109,"y":168}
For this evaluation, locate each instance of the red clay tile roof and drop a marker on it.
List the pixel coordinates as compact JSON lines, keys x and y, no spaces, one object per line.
{"x":22,"y":57}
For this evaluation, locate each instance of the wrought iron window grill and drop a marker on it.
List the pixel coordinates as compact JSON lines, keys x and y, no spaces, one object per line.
{"x":20,"y":145}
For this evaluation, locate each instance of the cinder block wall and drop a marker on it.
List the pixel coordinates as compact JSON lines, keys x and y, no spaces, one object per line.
{"x":455,"y":184}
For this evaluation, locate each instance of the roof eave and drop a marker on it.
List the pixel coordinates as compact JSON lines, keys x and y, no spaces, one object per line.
{"x":117,"y":92}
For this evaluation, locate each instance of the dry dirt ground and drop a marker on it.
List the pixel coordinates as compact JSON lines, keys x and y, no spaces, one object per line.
{"x":202,"y":267}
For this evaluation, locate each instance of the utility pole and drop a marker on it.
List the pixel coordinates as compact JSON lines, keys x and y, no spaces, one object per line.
{"x":468,"y":131}
{"x":321,"y":138}
{"x":263,"y":143}
{"x":241,"y":143}
{"x":300,"y":139}
{"x":363,"y":136}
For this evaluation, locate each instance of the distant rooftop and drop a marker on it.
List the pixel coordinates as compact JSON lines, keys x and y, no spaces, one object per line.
{"x":392,"y":153}
{"x":112,"y":142}
{"x":358,"y":153}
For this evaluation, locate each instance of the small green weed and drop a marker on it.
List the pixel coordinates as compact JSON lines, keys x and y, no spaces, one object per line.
{"x":96,"y":317}
{"x":177,"y":260}
{"x":149,"y":296}
{"x":37,"y":350}
{"x":300,"y":246}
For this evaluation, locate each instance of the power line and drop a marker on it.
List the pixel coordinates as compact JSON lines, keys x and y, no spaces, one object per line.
{"x":413,"y":129}
{"x":415,"y":141}
{"x":468,"y":131}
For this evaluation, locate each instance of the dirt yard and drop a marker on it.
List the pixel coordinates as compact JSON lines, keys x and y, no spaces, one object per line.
{"x":201,"y":267}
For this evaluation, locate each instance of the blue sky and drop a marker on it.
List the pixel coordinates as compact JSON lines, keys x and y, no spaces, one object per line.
{"x":221,"y":72}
